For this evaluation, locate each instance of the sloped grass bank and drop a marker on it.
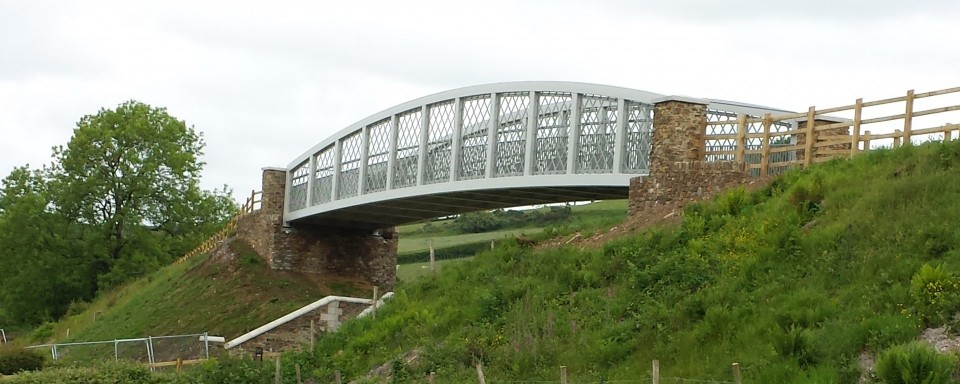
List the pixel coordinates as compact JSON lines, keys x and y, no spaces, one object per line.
{"x":794,"y":282}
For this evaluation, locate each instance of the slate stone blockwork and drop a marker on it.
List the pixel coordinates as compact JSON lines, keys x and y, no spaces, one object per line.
{"x":317,"y":249}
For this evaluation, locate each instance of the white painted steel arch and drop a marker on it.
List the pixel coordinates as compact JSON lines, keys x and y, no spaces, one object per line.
{"x":481,"y":147}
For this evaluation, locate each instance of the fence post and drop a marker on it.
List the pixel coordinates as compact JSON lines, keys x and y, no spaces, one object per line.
{"x":373,"y":312}
{"x":897,"y":134}
{"x":491,"y":245}
{"x":433,"y":266}
{"x":563,"y":374}
{"x":655,"y":374}
{"x":808,"y":151}
{"x":741,"y":137}
{"x":908,"y":119}
{"x":480,"y":374}
{"x":855,"y":141}
{"x":4,"y":333}
{"x":116,"y":350}
{"x":206,"y":344}
{"x":313,"y":334}
{"x":276,"y":374}
{"x":431,"y":378}
{"x":736,"y":373}
{"x":866,"y":141}
{"x":179,"y":364}
{"x":298,"y":374}
{"x":946,"y":132}
{"x":53,"y":351}
{"x":765,"y":150}
{"x":336,"y":377}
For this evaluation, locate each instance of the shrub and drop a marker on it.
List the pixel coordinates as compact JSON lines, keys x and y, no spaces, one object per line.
{"x":936,"y":293}
{"x":42,"y":333}
{"x":914,"y":363}
{"x":795,"y":342}
{"x":13,"y":360}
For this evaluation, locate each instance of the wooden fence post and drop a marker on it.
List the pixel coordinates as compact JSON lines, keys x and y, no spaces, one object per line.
{"x":179,"y":364}
{"x":313,"y":334}
{"x":947,"y":132}
{"x":563,"y":374}
{"x":736,"y":373}
{"x":336,"y":377}
{"x":433,"y":261}
{"x":298,"y":374}
{"x":765,"y":149}
{"x":480,"y":374}
{"x":741,"y":137}
{"x":811,"y":139}
{"x":276,"y":375}
{"x":866,"y":141}
{"x":908,"y":119}
{"x":897,"y":134}
{"x":655,"y":375}
{"x":431,"y":378}
{"x":855,"y":141}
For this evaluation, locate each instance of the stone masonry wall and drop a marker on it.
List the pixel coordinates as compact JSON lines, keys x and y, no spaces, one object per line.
{"x":317,"y":249}
{"x":677,"y":169}
{"x":685,"y":181}
{"x":295,"y":333}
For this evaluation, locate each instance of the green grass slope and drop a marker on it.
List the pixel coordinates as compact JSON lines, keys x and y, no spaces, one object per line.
{"x":226,"y":294}
{"x":793,"y":282}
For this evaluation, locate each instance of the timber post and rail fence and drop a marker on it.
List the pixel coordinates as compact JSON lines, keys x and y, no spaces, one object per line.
{"x":770,"y":144}
{"x":251,"y":205}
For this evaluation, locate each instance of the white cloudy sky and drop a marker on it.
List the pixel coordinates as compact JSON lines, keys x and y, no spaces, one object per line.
{"x":265,"y":80}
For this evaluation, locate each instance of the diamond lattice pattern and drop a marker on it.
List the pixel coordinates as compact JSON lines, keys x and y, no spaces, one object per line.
{"x":438,"y":148}
{"x":638,"y":139}
{"x":323,"y":182}
{"x":553,"y":127}
{"x":408,"y":147}
{"x":598,"y":123}
{"x":298,"y":186}
{"x":378,"y":153}
{"x":511,"y":134}
{"x":476,"y":118}
{"x":349,"y":181}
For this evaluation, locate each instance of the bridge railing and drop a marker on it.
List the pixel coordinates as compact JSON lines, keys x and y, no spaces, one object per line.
{"x":251,"y":205}
{"x":771,"y":143}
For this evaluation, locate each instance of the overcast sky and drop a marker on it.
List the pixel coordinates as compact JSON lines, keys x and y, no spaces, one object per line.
{"x":265,"y":80}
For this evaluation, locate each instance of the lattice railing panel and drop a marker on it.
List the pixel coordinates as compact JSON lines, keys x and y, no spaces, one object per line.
{"x":511,"y":134}
{"x":553,"y":131}
{"x":639,"y":138}
{"x":598,"y":126}
{"x":716,"y":145}
{"x":442,"y":117}
{"x":323,"y":180}
{"x":408,"y":148}
{"x":348,"y":184}
{"x":298,"y":186}
{"x":378,"y":153}
{"x":476,"y":120}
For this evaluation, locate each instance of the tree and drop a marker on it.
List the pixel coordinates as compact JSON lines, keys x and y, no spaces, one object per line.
{"x":131,"y":175}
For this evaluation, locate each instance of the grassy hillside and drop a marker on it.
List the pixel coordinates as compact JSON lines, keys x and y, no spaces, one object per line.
{"x":226,"y":294}
{"x":795,"y":282}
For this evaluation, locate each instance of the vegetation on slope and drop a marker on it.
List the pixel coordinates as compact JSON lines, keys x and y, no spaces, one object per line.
{"x":794,"y":282}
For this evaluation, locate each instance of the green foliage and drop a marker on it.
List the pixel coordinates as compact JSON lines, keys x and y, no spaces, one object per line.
{"x":231,"y":370}
{"x":454,"y":252}
{"x":936,"y":293}
{"x":42,"y":333}
{"x":797,"y":343}
{"x":914,"y":363}
{"x":13,"y":360}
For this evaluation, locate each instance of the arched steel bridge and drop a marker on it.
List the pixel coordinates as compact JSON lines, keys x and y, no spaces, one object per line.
{"x":482,"y":147}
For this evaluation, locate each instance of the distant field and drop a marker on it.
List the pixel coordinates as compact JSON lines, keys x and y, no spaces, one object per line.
{"x":407,"y":272}
{"x":413,"y":241}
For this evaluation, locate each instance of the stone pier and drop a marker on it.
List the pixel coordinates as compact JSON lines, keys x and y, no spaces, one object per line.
{"x":345,"y":253}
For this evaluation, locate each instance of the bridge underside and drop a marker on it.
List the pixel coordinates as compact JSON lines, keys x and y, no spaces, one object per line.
{"x":389,"y":213}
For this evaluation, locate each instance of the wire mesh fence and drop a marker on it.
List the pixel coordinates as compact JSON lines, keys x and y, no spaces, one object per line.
{"x":148,"y":350}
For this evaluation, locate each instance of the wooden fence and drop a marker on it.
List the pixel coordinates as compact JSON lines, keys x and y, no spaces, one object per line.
{"x":251,"y":205}
{"x":828,"y":137}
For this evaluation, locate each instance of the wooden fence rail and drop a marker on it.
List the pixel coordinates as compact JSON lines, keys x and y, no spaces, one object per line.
{"x":251,"y":205}
{"x":816,"y":137}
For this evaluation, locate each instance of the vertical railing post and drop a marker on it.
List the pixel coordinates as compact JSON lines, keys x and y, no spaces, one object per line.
{"x":364,"y":158}
{"x":741,"y":138}
{"x":206,"y":344}
{"x":392,"y":157}
{"x":337,"y":166}
{"x":456,"y":143}
{"x":311,"y":175}
{"x":620,"y":137}
{"x":116,"y":350}
{"x":493,"y":127}
{"x":533,"y":120}
{"x":424,"y":141}
{"x":857,"y":117}
{"x":765,"y":146}
{"x":811,"y":137}
{"x":573,"y":135}
{"x":908,"y":119}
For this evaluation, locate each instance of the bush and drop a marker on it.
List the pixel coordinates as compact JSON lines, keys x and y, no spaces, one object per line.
{"x":936,"y":293}
{"x":42,"y":333}
{"x":13,"y":360}
{"x":795,"y":342}
{"x":914,"y":363}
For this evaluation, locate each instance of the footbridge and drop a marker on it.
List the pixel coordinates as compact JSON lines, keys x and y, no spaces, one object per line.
{"x":494,"y":146}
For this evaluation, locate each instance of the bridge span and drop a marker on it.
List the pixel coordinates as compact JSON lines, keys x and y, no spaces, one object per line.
{"x":484,"y":147}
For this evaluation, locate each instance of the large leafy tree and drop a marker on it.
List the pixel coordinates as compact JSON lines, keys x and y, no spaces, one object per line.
{"x":131,"y":175}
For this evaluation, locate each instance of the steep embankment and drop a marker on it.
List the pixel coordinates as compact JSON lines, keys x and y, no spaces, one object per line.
{"x":798,"y":282}
{"x":226,"y":293}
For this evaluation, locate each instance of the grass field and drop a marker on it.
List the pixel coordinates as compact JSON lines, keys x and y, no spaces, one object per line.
{"x":408,"y":272}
